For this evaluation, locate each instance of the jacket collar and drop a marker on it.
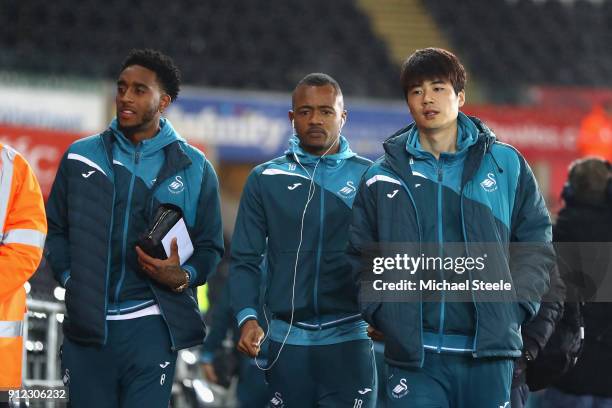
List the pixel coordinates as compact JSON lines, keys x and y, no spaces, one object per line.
{"x":467,"y":135}
{"x":176,"y":158}
{"x":295,"y":150}
{"x":165,"y":136}
{"x":397,"y":155}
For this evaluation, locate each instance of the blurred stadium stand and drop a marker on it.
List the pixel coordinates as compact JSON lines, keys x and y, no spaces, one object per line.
{"x":239,"y":44}
{"x":512,"y":44}
{"x":269,"y":45}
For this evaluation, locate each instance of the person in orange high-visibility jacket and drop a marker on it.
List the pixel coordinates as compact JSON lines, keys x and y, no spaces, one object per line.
{"x":595,"y":137}
{"x":23,"y":227}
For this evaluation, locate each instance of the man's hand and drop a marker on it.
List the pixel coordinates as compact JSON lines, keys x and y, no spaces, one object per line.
{"x":375,"y":334}
{"x":168,"y":272}
{"x":520,"y":367}
{"x":208,"y":370}
{"x":251,"y":335}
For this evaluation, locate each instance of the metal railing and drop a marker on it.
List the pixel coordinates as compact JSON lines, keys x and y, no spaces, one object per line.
{"x":52,"y":310}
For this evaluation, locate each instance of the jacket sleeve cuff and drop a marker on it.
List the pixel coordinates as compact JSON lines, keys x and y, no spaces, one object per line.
{"x":193,"y":274}
{"x":64,"y":278}
{"x":206,"y":357}
{"x":530,"y":310}
{"x":246,"y":314}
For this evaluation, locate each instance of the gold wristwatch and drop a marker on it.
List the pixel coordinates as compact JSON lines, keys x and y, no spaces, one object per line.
{"x":182,"y":287}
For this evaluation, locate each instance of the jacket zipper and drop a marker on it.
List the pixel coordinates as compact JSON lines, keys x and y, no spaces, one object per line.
{"x":467,"y":253}
{"x":416,"y":214}
{"x":161,"y":309}
{"x":440,"y":252}
{"x":320,"y":243}
{"x":126,"y":223}
{"x":110,"y":238}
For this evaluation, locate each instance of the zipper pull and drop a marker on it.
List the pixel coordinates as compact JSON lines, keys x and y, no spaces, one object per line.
{"x":161,"y":218}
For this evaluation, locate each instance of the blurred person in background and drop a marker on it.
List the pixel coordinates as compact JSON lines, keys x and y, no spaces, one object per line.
{"x":23,"y":227}
{"x":127,"y":314}
{"x":445,"y":179}
{"x":296,"y":209}
{"x":595,"y":137}
{"x":220,"y":363}
{"x":583,"y":222}
{"x":535,"y":335}
{"x":252,"y":391}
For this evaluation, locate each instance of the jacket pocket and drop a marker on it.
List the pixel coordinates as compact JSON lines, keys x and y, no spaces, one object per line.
{"x":400,"y":323}
{"x":368,"y":310}
{"x":281,"y":283}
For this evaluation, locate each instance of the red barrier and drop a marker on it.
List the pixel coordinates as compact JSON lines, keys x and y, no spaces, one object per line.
{"x":578,"y":98}
{"x":42,"y":148}
{"x":545,"y":136}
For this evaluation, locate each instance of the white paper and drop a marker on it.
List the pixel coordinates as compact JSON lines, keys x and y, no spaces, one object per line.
{"x":185,"y":247}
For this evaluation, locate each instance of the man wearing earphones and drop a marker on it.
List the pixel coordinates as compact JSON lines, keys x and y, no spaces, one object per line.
{"x":446,"y":188}
{"x":295,"y":209}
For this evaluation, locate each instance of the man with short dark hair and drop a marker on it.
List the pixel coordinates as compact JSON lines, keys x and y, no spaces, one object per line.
{"x":446,"y":188}
{"x":295,"y":209}
{"x":127,"y":312}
